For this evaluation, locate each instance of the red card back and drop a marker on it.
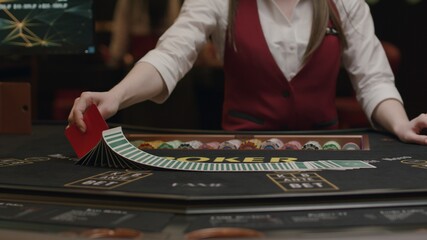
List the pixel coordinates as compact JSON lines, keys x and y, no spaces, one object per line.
{"x":82,"y":143}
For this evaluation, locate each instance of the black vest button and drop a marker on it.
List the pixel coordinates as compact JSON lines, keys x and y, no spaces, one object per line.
{"x":286,"y":94}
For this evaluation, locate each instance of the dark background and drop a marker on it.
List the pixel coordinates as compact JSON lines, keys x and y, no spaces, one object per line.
{"x":404,"y":25}
{"x":57,"y":79}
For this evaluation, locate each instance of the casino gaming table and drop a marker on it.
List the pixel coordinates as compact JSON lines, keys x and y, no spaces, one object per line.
{"x":44,"y":194}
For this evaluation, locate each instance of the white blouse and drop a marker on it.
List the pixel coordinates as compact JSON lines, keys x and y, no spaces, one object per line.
{"x":287,"y":39}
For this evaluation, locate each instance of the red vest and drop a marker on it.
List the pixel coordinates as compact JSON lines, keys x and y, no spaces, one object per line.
{"x":142,"y":44}
{"x":259,"y":97}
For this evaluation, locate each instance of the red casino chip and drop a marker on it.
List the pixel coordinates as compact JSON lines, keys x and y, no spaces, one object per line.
{"x":210,"y":145}
{"x":150,"y":145}
{"x":292,"y":145}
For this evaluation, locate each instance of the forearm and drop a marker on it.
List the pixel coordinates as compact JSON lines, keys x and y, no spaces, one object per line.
{"x":390,"y":115}
{"x":143,"y":82}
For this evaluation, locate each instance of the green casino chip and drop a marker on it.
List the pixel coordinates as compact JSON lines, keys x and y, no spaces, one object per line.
{"x":170,"y":144}
{"x":331,"y":145}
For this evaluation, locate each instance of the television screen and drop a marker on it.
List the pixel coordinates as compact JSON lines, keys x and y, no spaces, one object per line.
{"x":46,"y":27}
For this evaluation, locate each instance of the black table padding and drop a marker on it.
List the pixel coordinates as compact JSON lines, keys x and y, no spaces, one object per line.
{"x":45,"y":166}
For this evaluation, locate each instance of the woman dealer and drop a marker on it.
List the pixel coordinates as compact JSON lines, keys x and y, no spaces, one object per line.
{"x":281,"y":60}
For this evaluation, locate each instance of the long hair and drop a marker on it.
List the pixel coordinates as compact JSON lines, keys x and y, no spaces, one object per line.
{"x":323,"y":11}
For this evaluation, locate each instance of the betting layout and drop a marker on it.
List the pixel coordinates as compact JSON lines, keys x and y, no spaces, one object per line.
{"x":115,"y":151}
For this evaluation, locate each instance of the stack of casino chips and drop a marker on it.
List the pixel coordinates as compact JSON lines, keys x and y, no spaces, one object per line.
{"x":232,"y":144}
{"x":245,"y":144}
{"x":210,"y":145}
{"x":150,"y":145}
{"x":292,"y":145}
{"x":137,"y":143}
{"x":272,"y":144}
{"x":174,"y":144}
{"x":351,"y":146}
{"x":331,"y":145}
{"x":250,"y":144}
{"x":312,"y":145}
{"x":194,"y":144}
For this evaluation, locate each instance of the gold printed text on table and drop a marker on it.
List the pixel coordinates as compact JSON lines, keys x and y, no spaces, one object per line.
{"x":297,"y":182}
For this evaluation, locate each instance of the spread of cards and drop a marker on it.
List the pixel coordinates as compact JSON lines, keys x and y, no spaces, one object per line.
{"x":115,"y":151}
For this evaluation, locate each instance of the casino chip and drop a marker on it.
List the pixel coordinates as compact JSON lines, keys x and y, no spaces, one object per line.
{"x":210,"y":145}
{"x":272,"y":144}
{"x":195,"y":144}
{"x":292,"y":145}
{"x":232,"y":144}
{"x":250,"y":144}
{"x":137,"y":143}
{"x":150,"y":145}
{"x":351,"y":146}
{"x":331,"y":145}
{"x":170,"y":144}
{"x":312,"y":145}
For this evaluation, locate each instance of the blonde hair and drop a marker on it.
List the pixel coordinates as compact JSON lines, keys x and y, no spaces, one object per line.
{"x":323,"y":11}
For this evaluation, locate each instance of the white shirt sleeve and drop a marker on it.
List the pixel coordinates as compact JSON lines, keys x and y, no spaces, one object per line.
{"x":364,"y":58}
{"x":179,"y":46}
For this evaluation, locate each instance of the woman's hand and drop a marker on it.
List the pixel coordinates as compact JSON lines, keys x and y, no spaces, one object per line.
{"x":107,"y":104}
{"x":143,"y":82}
{"x":411,"y":132}
{"x":391,"y":115}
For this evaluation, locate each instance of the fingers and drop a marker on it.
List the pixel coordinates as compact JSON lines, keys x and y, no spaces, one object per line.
{"x":421,"y":121}
{"x":79,"y":107}
{"x":421,"y":127}
{"x":107,"y":106}
{"x":414,"y":132}
{"x":419,"y":124}
{"x":419,"y":139}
